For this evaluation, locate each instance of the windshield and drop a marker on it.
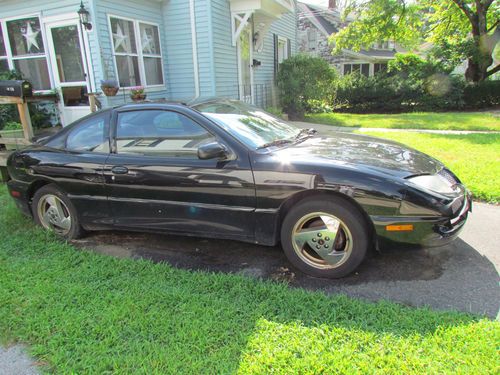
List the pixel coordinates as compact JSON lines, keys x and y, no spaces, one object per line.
{"x":249,"y":124}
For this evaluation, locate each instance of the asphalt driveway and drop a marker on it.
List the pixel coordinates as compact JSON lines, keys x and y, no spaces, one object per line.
{"x":461,"y":276}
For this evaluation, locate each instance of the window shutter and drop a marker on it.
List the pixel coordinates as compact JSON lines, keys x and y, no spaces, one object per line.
{"x":275,"y":38}
{"x":289,"y":48}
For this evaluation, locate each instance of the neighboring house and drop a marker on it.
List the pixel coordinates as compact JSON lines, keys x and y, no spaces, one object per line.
{"x":315,"y":25}
{"x":178,"y":49}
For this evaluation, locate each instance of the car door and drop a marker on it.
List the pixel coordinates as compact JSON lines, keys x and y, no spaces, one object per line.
{"x":156,"y":181}
{"x":74,"y":161}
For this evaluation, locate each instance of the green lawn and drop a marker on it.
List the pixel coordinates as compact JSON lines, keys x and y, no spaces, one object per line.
{"x":80,"y":312}
{"x":474,"y":158}
{"x":427,"y":120}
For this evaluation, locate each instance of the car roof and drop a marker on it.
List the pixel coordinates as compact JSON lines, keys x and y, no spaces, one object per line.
{"x":148,"y":104}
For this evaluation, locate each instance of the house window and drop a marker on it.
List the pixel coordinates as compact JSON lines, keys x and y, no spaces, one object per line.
{"x":4,"y":63}
{"x":379,"y":68}
{"x":137,"y":52}
{"x":282,"y":49}
{"x":28,"y":51}
{"x":363,"y":69}
{"x":312,"y":39}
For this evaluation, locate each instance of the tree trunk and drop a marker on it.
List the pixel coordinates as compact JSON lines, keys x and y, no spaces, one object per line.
{"x":481,"y":59}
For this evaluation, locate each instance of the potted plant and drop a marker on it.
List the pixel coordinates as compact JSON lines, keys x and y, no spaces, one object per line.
{"x":109,"y":87}
{"x":137,"y":94}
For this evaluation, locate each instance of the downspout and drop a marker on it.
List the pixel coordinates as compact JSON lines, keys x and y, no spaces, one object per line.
{"x":196,"y":74}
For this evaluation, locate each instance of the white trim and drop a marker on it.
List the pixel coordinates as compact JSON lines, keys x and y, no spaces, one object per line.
{"x":45,"y":55}
{"x":285,"y":56}
{"x":68,"y":113}
{"x":194,"y":45}
{"x":236,"y":31}
{"x":139,"y":54}
{"x":240,"y":76}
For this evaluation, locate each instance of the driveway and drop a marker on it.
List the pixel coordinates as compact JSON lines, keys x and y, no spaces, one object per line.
{"x":461,"y":276}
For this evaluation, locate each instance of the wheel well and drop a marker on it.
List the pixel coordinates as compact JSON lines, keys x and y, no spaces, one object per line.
{"x":34,"y":187}
{"x":296,"y":198}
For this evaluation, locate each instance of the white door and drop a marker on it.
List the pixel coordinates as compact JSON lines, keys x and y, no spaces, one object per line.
{"x":245,"y":61}
{"x":68,"y":68}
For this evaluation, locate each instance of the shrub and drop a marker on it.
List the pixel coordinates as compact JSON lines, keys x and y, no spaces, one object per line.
{"x":302,"y":78}
{"x":398,"y":93}
{"x":482,"y":95}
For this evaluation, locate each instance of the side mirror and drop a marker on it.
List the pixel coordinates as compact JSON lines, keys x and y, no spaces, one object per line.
{"x":212,"y":150}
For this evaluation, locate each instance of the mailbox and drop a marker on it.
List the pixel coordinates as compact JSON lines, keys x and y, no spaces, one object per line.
{"x":20,"y":89}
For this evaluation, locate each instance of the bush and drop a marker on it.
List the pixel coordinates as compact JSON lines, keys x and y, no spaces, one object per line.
{"x":484,"y":94}
{"x":397,"y":93}
{"x":303,"y":78}
{"x":411,"y":84}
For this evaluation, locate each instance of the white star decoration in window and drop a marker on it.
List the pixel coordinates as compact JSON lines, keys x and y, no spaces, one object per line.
{"x":147,"y":43}
{"x":120,"y":38}
{"x":30,"y":37}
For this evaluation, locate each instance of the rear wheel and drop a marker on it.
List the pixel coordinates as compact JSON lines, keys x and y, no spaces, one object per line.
{"x":53,"y":210}
{"x":325,"y":238}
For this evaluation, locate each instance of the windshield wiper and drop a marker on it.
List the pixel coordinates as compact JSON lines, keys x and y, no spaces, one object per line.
{"x":276,"y":142}
{"x":306,"y":133}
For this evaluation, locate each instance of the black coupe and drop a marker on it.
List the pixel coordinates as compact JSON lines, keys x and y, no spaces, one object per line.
{"x":225,"y":169}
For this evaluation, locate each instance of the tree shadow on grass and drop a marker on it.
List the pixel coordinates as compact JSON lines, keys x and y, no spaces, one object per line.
{"x":81,"y":311}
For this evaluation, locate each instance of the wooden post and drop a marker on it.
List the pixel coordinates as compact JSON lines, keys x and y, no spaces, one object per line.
{"x":92,"y":103}
{"x":24,"y":115}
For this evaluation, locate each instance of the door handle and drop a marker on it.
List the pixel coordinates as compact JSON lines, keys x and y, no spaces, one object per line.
{"x":118,"y":169}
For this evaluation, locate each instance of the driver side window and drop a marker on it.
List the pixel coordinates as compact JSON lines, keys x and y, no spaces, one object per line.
{"x":90,"y":135}
{"x":159,"y":133}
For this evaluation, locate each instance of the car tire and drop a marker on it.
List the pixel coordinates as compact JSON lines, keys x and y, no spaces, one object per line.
{"x":325,"y":223}
{"x":53,"y":210}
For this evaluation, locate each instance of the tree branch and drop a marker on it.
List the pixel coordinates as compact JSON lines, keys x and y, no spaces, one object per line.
{"x":493,"y":71}
{"x":487,"y":4}
{"x":465,"y":8}
{"x":493,"y":26}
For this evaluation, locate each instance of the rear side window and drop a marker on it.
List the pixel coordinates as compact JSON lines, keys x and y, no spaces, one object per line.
{"x":159,"y":133}
{"x":91,"y":135}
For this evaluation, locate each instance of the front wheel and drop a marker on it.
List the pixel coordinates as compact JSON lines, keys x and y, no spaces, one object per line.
{"x":53,"y":210}
{"x":325,"y":238}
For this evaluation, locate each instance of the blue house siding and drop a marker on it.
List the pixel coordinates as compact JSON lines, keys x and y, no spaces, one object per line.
{"x":217,"y":64}
{"x":225,"y":54}
{"x":178,"y":54}
{"x":283,"y":27}
{"x":206,"y":51}
{"x":149,"y":11}
{"x":49,"y":8}
{"x":226,"y":57}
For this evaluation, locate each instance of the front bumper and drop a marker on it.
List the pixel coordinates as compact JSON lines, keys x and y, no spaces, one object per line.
{"x":22,"y":201}
{"x":427,"y":231}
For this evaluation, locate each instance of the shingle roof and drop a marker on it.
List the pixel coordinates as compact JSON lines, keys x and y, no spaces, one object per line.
{"x":316,"y":13}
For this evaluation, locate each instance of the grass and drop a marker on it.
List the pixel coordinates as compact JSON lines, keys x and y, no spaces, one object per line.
{"x":474,"y":158}
{"x":81,"y":312}
{"x":427,"y":120}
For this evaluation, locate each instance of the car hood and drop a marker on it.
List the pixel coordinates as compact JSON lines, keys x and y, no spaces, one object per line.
{"x":361,"y":151}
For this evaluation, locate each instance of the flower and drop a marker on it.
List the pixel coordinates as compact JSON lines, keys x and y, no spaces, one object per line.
{"x":138,"y":90}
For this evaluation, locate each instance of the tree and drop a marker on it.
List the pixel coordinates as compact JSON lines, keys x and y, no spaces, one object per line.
{"x":459,"y":29}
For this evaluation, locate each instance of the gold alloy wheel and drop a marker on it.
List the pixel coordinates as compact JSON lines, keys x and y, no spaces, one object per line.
{"x":54,"y":214}
{"x":322,"y":240}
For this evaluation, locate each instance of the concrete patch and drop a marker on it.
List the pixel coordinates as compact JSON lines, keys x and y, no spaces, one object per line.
{"x":15,"y":361}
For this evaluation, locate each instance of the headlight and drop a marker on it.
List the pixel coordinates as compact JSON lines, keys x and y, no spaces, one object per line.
{"x":434,"y":182}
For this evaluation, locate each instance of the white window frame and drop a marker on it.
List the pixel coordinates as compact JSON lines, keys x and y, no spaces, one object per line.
{"x":285,"y":54}
{"x":139,"y":54}
{"x":11,"y":58}
{"x":312,"y":31}
{"x":360,"y":63}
